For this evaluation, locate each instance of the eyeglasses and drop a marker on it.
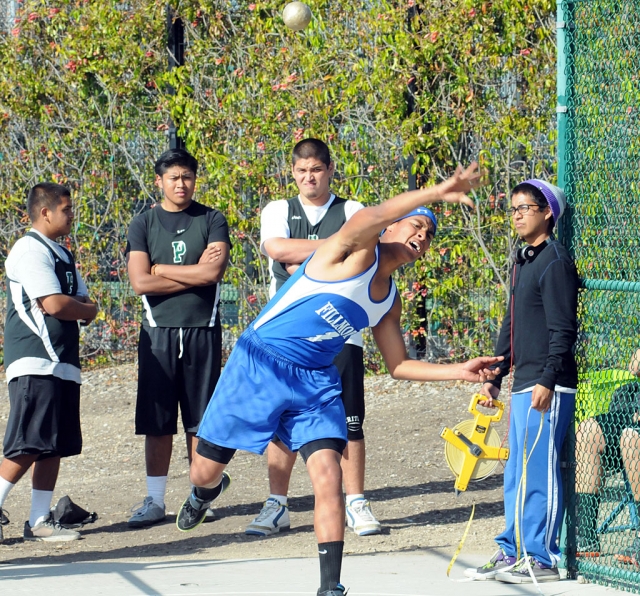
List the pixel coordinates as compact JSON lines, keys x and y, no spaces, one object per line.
{"x":521,"y":209}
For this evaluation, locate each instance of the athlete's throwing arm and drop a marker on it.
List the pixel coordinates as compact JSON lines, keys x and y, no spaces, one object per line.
{"x":407,"y":236}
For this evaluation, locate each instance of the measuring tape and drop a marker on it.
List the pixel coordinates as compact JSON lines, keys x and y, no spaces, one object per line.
{"x":472,"y":450}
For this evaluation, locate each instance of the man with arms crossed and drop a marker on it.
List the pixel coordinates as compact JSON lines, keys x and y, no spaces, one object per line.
{"x":46,"y":297}
{"x":290,"y":231}
{"x":177,"y":255}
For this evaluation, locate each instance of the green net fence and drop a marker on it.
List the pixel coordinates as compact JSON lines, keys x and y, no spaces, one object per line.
{"x":601,"y":176}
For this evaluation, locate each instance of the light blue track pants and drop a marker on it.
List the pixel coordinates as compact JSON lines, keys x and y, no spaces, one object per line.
{"x":540,"y":517}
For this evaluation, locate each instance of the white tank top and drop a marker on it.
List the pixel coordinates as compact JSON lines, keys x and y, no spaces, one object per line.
{"x":309,"y":320}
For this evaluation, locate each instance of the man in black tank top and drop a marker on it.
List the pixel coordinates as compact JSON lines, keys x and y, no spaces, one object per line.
{"x":46,"y":297}
{"x":291,"y":231}
{"x":177,"y":254}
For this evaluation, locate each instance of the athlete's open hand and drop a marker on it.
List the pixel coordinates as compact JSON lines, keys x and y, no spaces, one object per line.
{"x":463,"y":181}
{"x":477,"y":370}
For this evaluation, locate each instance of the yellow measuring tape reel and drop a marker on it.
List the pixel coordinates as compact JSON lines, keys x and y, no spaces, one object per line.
{"x":472,"y":448}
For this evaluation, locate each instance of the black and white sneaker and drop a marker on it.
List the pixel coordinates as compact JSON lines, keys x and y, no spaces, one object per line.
{"x":194,"y":510}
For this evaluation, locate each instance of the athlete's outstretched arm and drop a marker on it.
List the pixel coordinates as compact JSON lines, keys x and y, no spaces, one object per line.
{"x":389,"y":339}
{"x":365,"y":225}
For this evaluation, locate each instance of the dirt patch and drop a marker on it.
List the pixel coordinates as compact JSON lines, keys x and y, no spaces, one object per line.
{"x":408,"y":482}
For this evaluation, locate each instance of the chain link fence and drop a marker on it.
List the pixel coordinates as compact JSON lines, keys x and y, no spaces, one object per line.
{"x":8,"y":10}
{"x":602,"y":180}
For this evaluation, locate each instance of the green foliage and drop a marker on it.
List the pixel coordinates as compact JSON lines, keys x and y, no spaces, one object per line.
{"x":396,"y":90}
{"x":79,"y":106}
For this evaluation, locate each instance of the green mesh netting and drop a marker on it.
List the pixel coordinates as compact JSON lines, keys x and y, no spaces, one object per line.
{"x":602,"y":180}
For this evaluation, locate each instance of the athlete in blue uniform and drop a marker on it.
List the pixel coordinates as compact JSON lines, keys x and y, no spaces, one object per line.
{"x":280,"y":378}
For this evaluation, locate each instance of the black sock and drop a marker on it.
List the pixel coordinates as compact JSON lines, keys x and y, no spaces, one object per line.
{"x":208,"y":494}
{"x":587,"y":505}
{"x":330,"y":564}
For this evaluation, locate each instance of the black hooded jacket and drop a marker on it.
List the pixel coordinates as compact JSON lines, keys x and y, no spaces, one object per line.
{"x":542,"y":319}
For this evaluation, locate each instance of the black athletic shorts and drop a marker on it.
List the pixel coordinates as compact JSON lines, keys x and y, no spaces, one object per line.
{"x":176,"y":366}
{"x":350,"y":364}
{"x":44,"y":417}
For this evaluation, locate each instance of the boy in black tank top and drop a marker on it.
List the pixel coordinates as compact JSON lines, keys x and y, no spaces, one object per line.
{"x":288,"y":233}
{"x":177,"y":254}
{"x":46,"y":298}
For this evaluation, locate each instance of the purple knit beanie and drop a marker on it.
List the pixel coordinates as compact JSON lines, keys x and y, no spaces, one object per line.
{"x":555,"y":196}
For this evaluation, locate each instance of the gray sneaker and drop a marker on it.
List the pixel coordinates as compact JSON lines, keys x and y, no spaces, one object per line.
{"x":146,"y":514}
{"x":49,"y":531}
{"x":521,"y":574}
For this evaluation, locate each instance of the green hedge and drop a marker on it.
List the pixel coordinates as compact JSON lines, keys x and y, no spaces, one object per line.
{"x":397,"y":90}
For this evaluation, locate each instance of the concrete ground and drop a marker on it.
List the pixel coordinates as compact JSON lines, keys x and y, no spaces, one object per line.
{"x":413,"y":574}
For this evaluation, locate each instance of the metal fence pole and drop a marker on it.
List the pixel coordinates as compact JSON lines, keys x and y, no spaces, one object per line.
{"x":175,"y":46}
{"x":568,"y":460}
{"x":561,"y":107}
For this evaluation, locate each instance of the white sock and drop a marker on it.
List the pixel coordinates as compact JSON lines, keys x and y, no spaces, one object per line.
{"x":282,"y":499}
{"x":40,"y":506}
{"x":156,"y":488}
{"x":351,"y":498}
{"x":5,"y":489}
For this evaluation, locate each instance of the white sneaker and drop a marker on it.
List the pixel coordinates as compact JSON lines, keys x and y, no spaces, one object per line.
{"x":273,"y":518}
{"x":146,"y":514}
{"x":498,"y":563}
{"x":361,"y":518}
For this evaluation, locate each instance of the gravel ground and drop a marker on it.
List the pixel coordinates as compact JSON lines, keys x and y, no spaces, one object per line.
{"x":408,"y":483}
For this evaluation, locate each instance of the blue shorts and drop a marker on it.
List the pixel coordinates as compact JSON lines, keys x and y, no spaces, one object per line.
{"x":260,"y":394}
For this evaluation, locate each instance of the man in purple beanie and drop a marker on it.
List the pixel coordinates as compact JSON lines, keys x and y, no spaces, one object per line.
{"x":537,"y":338}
